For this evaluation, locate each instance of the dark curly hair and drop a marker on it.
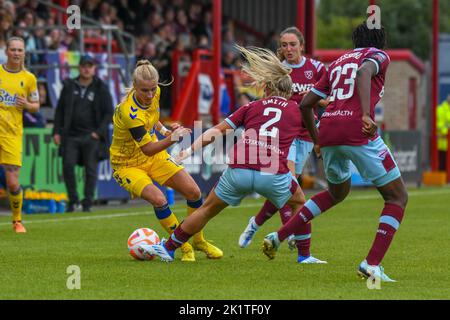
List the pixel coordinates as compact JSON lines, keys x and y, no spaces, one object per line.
{"x":363,"y":37}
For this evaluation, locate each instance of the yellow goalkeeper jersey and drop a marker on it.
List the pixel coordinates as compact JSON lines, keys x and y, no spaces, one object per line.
{"x":13,"y":85}
{"x":124,"y":150}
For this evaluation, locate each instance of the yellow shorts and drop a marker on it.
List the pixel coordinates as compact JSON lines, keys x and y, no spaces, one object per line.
{"x":160,"y":168}
{"x":11,"y":150}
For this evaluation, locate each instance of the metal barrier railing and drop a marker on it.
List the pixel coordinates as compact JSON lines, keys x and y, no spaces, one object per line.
{"x":124,"y":41}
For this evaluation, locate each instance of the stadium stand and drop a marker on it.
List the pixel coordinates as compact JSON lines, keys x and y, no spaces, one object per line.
{"x":160,"y":29}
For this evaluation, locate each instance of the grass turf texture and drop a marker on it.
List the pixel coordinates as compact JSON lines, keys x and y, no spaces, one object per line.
{"x":33,"y":265}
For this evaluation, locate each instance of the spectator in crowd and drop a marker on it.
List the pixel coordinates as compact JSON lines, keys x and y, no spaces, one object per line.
{"x":125,"y":15}
{"x":47,"y":110}
{"x":160,"y":26}
{"x":228,"y":43}
{"x":244,"y":98}
{"x":6,"y":21}
{"x":33,"y":120}
{"x":272,"y":41}
{"x":82,"y":117}
{"x":89,"y":8}
{"x":229,"y":60}
{"x":41,"y":10}
{"x":43,"y":95}
{"x":10,"y":7}
{"x":169,"y":17}
{"x":36,"y":42}
{"x":195,"y":14}
{"x":149,"y":51}
{"x":54,"y":40}
{"x":443,"y":125}
{"x":204,"y":28}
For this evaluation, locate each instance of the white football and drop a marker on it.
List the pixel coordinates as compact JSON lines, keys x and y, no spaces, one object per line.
{"x":141,"y":236}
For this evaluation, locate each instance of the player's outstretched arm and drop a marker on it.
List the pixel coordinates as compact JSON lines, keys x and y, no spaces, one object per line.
{"x":152,"y":148}
{"x":206,"y":138}
{"x":363,"y":82}
{"x":164,"y":131}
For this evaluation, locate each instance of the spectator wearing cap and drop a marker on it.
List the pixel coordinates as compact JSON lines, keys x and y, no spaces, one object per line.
{"x":82,"y":118}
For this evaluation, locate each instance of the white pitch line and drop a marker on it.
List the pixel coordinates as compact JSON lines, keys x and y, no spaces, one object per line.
{"x":249,"y":205}
{"x":63,"y":219}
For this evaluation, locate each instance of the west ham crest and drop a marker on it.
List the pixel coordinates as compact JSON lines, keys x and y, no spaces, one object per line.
{"x":309,"y":74}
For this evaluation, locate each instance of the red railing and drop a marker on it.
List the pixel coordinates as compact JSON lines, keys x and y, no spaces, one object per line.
{"x":230,"y":82}
{"x":186,"y":88}
{"x":187,"y":91}
{"x":99,"y":45}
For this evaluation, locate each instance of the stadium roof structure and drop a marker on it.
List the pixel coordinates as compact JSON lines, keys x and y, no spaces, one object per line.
{"x":329,"y":55}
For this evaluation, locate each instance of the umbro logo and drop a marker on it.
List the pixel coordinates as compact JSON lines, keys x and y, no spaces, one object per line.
{"x":303,"y":217}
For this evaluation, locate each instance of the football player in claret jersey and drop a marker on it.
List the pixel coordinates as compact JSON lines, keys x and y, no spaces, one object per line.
{"x":347,"y":132}
{"x":259,"y":157}
{"x":138,"y":158}
{"x":305,"y":73}
{"x":18,"y":92}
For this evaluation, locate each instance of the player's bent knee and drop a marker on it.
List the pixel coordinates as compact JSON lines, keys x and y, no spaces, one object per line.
{"x":13,"y":188}
{"x":13,"y":185}
{"x":193,"y":194}
{"x":403,"y":198}
{"x":337,"y":197}
{"x":158,"y":201}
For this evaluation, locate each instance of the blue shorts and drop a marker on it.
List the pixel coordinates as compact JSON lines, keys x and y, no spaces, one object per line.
{"x":235,"y":184}
{"x":374,"y":162}
{"x":299,"y":152}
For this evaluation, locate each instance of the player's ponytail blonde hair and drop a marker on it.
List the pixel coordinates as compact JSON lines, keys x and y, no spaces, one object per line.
{"x":144,"y":71}
{"x":8,"y":42}
{"x":267,"y":71}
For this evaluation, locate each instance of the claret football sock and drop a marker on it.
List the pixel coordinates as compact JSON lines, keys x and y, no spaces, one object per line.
{"x":312,"y":208}
{"x":266,"y":212}
{"x":177,"y":239}
{"x":285,"y":214}
{"x":166,"y":218}
{"x":303,"y":242}
{"x":390,"y":220}
{"x":303,"y":234}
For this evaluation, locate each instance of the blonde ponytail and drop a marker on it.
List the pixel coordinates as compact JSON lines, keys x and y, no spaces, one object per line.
{"x":144,"y":71}
{"x":267,"y":71}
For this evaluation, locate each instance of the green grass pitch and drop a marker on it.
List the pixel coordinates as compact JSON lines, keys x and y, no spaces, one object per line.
{"x":34,"y":265}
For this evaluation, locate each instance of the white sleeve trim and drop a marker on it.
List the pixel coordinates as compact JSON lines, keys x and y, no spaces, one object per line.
{"x":376,"y":63}
{"x":319,"y":93}
{"x":230,"y":123}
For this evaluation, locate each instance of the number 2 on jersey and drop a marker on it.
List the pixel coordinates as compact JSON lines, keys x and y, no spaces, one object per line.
{"x":274,"y":131}
{"x":338,"y":93}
